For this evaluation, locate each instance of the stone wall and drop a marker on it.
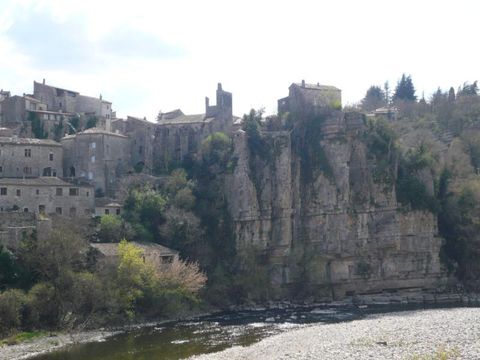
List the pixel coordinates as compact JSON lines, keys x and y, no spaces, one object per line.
{"x":47,"y":196}
{"x":97,"y":156}
{"x":30,"y":158}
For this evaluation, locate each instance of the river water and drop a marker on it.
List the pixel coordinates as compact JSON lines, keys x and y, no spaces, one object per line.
{"x":207,"y":334}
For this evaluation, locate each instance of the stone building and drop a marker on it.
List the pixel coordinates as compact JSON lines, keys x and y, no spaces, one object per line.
{"x":141,"y":133}
{"x":68,"y":101}
{"x":178,"y":135}
{"x":107,"y":206}
{"x":158,"y":255}
{"x":305,"y":97}
{"x":46,"y":195}
{"x":21,"y":112}
{"x":4,"y":94}
{"x":21,"y":157}
{"x":97,"y":156}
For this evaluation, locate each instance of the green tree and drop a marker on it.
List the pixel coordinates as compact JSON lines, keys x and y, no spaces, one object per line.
{"x":144,"y":210}
{"x":405,"y":91}
{"x":91,"y":122}
{"x":374,"y":98}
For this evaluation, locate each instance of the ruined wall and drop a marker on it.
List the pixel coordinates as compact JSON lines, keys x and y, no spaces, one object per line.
{"x":327,"y":222}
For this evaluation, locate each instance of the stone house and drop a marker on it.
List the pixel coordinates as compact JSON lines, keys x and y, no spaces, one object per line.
{"x":26,"y":158}
{"x":97,"y":156}
{"x":68,"y":101}
{"x":107,"y":206}
{"x":305,"y":97}
{"x":178,"y":135}
{"x":156,"y":254}
{"x":46,"y":195}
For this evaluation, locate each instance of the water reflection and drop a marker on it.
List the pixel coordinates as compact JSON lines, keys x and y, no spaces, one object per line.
{"x":179,"y":340}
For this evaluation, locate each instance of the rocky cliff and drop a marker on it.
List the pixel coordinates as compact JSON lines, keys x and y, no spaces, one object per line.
{"x":321,"y":206}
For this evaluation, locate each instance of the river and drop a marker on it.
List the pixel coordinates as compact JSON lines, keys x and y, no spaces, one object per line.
{"x":213,"y":333}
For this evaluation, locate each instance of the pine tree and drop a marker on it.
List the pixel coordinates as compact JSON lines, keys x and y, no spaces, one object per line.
{"x":374,"y":98}
{"x":405,"y":90}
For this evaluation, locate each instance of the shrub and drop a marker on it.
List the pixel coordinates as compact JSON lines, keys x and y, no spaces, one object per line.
{"x":11,"y":305}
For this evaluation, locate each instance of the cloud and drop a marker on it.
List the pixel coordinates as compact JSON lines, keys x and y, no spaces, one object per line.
{"x":131,"y":43}
{"x":54,"y":44}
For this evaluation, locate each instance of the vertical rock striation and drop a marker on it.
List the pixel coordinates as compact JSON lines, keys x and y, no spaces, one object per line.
{"x":329,"y":225}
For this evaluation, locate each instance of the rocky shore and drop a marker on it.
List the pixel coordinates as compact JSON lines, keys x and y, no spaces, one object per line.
{"x":421,"y":334}
{"x":46,"y":344}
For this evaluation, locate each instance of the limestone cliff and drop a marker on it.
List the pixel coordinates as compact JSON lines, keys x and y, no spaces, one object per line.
{"x":323,"y":209}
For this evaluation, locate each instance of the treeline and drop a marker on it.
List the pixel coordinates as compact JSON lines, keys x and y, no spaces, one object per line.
{"x":57,"y":282}
{"x":438,"y":140}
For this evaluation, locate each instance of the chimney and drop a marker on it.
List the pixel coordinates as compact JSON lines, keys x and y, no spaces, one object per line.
{"x":43,"y":82}
{"x":303,"y":83}
{"x":207,"y":102}
{"x":219,"y":86}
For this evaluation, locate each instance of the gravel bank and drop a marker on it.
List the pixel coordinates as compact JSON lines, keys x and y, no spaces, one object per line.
{"x":45,"y":344}
{"x":401,"y":335}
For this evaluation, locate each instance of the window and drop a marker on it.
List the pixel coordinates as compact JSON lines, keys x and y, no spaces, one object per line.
{"x":73,"y":192}
{"x":27,"y":170}
{"x":37,"y":192}
{"x":88,"y":193}
{"x":19,"y":192}
{"x":41,"y":209}
{"x":59,"y":192}
{"x":117,"y":211}
{"x":93,"y":145}
{"x":73,"y":211}
{"x":25,"y":209}
{"x":1,"y":169}
{"x":140,"y":150}
{"x":3,"y":191}
{"x":92,"y":158}
{"x":90,"y":175}
{"x":28,"y":152}
{"x":107,"y":212}
{"x":50,"y":156}
{"x":58,"y":210}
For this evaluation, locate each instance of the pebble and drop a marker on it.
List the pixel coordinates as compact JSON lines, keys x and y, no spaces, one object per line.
{"x":398,"y":335}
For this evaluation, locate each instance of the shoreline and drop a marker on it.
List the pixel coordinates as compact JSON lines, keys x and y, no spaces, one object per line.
{"x":45,"y":344}
{"x":452,"y":333}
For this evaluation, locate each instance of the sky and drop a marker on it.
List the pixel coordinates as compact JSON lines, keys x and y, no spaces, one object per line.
{"x":150,"y":56}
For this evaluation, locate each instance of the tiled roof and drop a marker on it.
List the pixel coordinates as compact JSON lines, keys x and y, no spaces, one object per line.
{"x":95,"y":131}
{"x":111,"y":249}
{"x":28,"y":141}
{"x":316,"y":87}
{"x":185,"y":119}
{"x":39,"y":181}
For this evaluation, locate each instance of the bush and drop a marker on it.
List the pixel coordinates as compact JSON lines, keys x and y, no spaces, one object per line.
{"x":111,"y":228}
{"x":11,"y":306}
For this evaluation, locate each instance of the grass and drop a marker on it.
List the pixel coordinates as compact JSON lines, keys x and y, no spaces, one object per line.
{"x":440,"y":354}
{"x":22,"y":337}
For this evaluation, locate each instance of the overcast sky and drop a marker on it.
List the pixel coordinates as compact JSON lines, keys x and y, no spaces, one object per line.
{"x":147,"y":56}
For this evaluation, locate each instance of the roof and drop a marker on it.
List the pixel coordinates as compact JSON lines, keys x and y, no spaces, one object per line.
{"x":316,"y":86}
{"x":95,"y":131}
{"x":28,"y":141}
{"x":111,"y":249}
{"x":55,"y":87}
{"x":185,"y":119}
{"x":106,"y":202}
{"x":39,"y":181}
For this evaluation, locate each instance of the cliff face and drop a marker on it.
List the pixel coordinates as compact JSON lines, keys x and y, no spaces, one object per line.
{"x":323,"y":209}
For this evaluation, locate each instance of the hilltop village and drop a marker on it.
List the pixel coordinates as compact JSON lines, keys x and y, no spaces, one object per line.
{"x":328,"y":200}
{"x":64,"y":153}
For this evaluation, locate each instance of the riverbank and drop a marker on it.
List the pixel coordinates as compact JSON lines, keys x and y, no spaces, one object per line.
{"x":419,"y":334}
{"x":48,"y":343}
